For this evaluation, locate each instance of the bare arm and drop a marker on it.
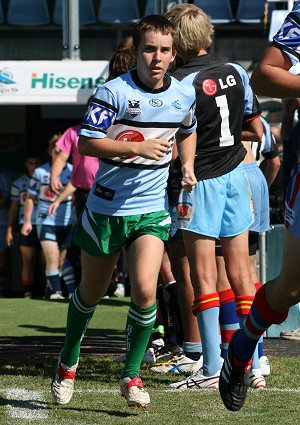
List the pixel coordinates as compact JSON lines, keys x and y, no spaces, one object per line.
{"x":57,"y":166}
{"x":28,"y":208}
{"x":109,"y":148}
{"x":252,"y":130}
{"x":186,"y":145}
{"x":11,"y":219}
{"x":271,"y":76}
{"x":68,"y":190}
{"x":271,"y":169}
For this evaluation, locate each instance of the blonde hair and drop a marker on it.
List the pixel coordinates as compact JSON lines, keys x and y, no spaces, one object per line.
{"x":194,"y":28}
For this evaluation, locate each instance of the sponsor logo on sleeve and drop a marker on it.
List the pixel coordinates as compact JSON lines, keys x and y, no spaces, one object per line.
{"x":99,"y":117}
{"x":209,"y":87}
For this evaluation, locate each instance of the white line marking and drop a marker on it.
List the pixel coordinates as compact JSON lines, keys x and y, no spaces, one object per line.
{"x":24,"y":404}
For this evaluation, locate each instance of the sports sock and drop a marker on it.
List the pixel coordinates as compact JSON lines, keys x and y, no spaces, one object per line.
{"x":228,"y":319}
{"x":174,"y":308}
{"x":53,"y":280}
{"x":27,"y":285}
{"x":2,"y":279}
{"x":68,"y":275}
{"x":139,"y":325}
{"x":206,"y":308}
{"x":260,"y":345}
{"x":260,"y":318}
{"x":79,"y":315}
{"x":244,"y":303}
{"x":192,"y":350}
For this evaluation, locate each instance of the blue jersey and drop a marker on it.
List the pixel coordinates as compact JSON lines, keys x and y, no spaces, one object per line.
{"x":18,"y":193}
{"x":5,"y":185}
{"x":124,"y":109}
{"x":288,"y":37}
{"x":39,"y":186}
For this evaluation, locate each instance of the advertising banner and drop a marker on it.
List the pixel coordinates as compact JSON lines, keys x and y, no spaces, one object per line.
{"x":50,"y":82}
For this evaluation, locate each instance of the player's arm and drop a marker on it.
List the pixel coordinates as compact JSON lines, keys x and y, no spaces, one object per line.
{"x":57,"y":166}
{"x":28,"y":209}
{"x":252,"y":130}
{"x":271,"y":77}
{"x":271,"y":169}
{"x":11,"y":219}
{"x":109,"y":148}
{"x":186,"y":145}
{"x":68,"y":190}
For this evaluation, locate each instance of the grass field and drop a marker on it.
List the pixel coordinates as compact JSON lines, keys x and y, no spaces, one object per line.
{"x":25,"y":379}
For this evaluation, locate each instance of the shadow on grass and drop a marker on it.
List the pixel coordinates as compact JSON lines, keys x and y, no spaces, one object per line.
{"x":91,"y":332}
{"x":39,"y":405}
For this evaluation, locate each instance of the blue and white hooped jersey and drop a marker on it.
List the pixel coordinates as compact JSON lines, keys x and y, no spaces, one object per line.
{"x":5,"y":185}
{"x":124,"y":109}
{"x":288,"y":37}
{"x":39,"y":186}
{"x":18,"y":193}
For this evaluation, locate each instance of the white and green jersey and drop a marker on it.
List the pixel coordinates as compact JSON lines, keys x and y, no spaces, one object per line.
{"x":124,"y":109}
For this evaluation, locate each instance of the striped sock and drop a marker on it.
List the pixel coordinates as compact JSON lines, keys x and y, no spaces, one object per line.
{"x":260,"y":345}
{"x":68,"y":275}
{"x":192,"y":350}
{"x":79,"y":315}
{"x":207,"y":308}
{"x":53,"y":280}
{"x":228,"y":319}
{"x":257,"y":322}
{"x":140,"y":322}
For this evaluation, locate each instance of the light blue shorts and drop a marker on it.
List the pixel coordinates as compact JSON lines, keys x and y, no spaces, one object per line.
{"x":217,"y":207}
{"x":260,"y":194}
{"x":292,"y":203}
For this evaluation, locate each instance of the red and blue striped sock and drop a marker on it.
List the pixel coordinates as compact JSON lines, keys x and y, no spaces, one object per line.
{"x":228,"y":319}
{"x":260,"y":318}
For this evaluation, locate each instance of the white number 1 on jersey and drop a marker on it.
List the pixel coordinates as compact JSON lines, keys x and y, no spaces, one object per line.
{"x":226,"y":138}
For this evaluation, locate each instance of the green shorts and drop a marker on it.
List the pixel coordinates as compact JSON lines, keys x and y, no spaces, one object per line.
{"x":100,"y":235}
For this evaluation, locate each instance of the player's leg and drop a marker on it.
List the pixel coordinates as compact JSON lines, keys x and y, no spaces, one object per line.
{"x":144,"y":261}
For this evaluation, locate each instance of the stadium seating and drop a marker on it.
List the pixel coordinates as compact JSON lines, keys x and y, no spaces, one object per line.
{"x":150,"y":6}
{"x":118,"y":11}
{"x":219,"y":11}
{"x":87,"y":13}
{"x":35,"y":12}
{"x":252,"y":12}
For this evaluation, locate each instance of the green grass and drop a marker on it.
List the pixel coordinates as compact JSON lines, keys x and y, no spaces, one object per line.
{"x":25,"y":381}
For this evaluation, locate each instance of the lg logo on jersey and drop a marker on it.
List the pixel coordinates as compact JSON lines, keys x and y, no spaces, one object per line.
{"x":210,"y":87}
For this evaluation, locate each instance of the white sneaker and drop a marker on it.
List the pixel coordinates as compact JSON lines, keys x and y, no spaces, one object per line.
{"x":265,"y":366}
{"x":256,"y":380}
{"x":132,"y":389}
{"x":181,"y":365}
{"x":120,"y":291}
{"x":149,"y":357}
{"x":62,"y":386}
{"x":293,"y":335}
{"x":57,"y":296}
{"x":197,"y":381}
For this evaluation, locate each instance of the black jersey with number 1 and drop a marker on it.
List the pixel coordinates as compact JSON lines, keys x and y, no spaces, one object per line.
{"x":224,"y":102}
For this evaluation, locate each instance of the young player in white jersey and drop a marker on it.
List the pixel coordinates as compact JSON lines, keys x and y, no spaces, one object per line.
{"x":272,"y":301}
{"x":130,"y":125}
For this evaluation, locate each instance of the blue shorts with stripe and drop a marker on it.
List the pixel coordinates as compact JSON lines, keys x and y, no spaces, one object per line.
{"x":292,"y":202}
{"x":217,"y":207}
{"x":260,"y":195}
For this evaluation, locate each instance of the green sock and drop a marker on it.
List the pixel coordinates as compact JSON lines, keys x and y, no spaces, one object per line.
{"x":79,"y":315}
{"x":139,"y":325}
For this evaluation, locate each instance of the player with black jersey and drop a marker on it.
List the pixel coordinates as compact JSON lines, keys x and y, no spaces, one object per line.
{"x":220,"y":205}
